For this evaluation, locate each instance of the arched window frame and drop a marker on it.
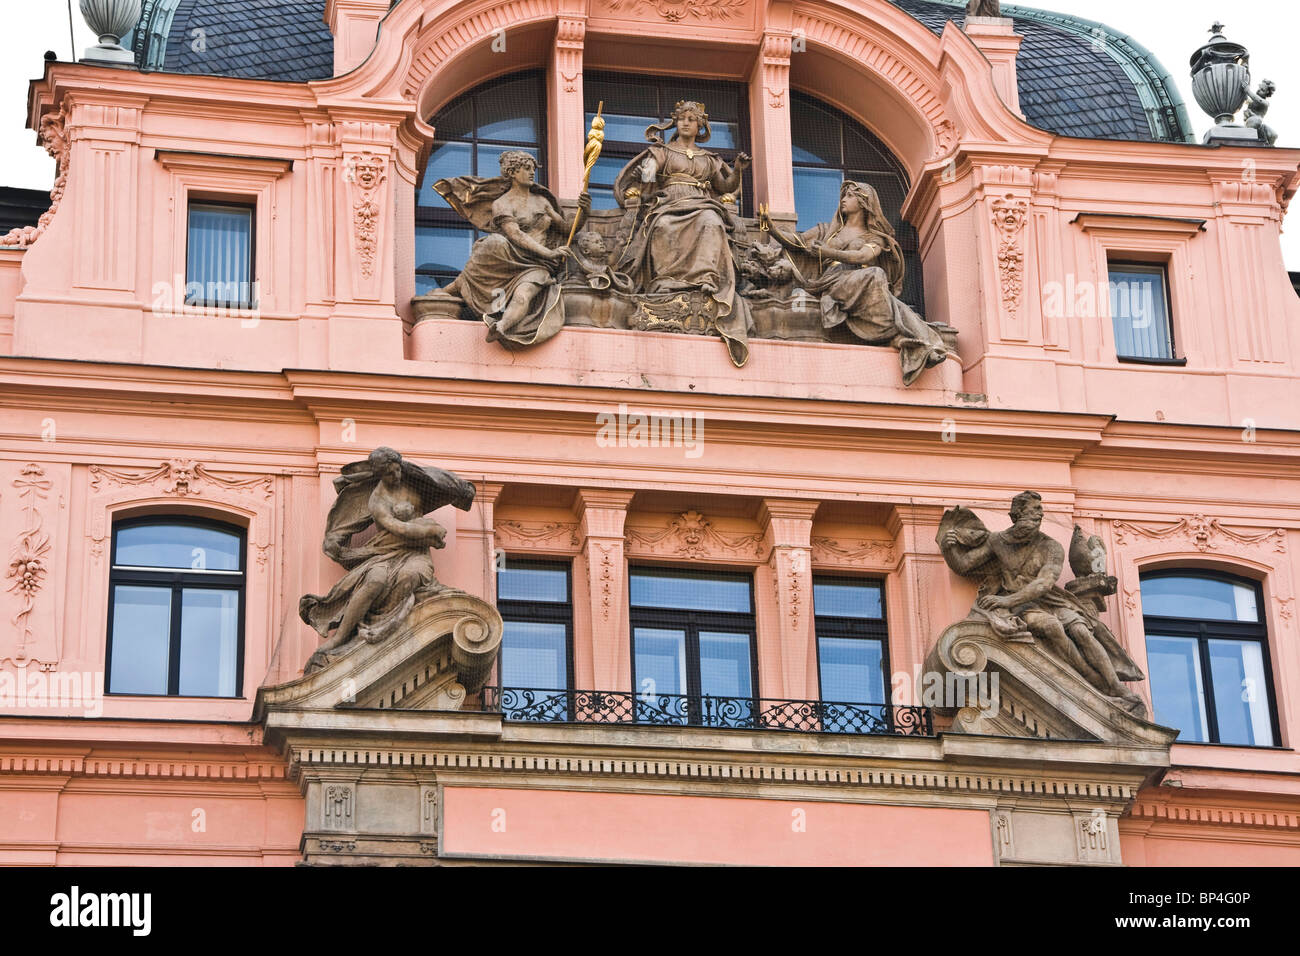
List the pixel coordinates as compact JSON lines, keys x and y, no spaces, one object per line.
{"x":441,"y":216}
{"x":177,"y":580}
{"x":1203,"y":631}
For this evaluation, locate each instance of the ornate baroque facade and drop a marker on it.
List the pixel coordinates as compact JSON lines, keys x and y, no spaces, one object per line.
{"x":626,"y":453}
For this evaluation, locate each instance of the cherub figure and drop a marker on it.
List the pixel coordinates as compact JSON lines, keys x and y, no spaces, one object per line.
{"x":1256,"y":109}
{"x":590,"y":255}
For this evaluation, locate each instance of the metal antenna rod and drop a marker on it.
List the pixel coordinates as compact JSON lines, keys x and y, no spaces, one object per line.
{"x":71,"y":36}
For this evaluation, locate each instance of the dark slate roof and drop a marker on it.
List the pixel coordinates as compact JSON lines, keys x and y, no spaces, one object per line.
{"x":1080,"y":78}
{"x":1077,"y":78}
{"x":21,"y":207}
{"x":261,"y":39}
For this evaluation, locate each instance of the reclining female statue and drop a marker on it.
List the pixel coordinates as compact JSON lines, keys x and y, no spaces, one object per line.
{"x":859,"y":271}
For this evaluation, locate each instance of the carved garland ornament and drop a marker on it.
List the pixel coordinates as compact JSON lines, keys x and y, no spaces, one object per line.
{"x":834,"y":551}
{"x":555,"y":535}
{"x":54,"y":138}
{"x":1202,"y":533}
{"x":177,"y":476}
{"x":691,"y":535}
{"x":368,"y":173}
{"x":27,"y":561}
{"x":1009,"y":220}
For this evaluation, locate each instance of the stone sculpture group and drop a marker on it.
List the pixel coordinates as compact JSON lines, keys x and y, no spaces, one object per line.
{"x":677,"y":257}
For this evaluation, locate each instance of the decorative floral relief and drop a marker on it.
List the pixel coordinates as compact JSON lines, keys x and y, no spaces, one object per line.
{"x":691,"y":535}
{"x":27,"y":562}
{"x":177,"y":476}
{"x":1009,"y":220}
{"x":1203,"y":533}
{"x":605,"y":576}
{"x":368,"y":172}
{"x":550,"y":534}
{"x":835,"y":551}
{"x":54,"y":138}
{"x":675,"y":11}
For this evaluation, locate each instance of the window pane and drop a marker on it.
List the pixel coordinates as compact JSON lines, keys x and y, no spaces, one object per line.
{"x":209,"y":642}
{"x":1139,"y":314}
{"x":509,"y":111}
{"x":660,"y":661}
{"x":220,"y":254}
{"x":852,"y":670}
{"x":442,"y":251}
{"x":1177,"y":690}
{"x":624,"y":127}
{"x":187,"y":547}
{"x":815,"y":132}
{"x":724,"y":665}
{"x":447,"y":160}
{"x":534,"y":654}
{"x":847,"y":599}
{"x":694,"y":593}
{"x":1204,"y":599}
{"x":532,"y":584}
{"x":455,"y":122}
{"x":1240,"y":693}
{"x":141,"y":633}
{"x":816,"y":195}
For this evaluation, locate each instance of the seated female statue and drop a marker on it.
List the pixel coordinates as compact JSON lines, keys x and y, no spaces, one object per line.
{"x":859,"y":271}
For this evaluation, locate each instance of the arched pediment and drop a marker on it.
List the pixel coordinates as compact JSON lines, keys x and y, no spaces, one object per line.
{"x":919,"y":92}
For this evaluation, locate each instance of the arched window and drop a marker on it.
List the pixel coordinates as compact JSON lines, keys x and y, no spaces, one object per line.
{"x":176,"y":608}
{"x":634,"y":101}
{"x":473,"y":131}
{"x":1207,"y":657}
{"x":830,"y":147}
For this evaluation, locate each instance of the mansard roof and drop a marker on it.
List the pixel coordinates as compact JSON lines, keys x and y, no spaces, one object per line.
{"x":1077,"y":78}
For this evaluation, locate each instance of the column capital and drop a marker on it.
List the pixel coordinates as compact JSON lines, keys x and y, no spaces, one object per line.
{"x":787,"y":522}
{"x":601,"y":512}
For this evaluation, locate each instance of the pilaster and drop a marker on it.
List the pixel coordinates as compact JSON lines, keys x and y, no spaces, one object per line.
{"x":769,"y":108}
{"x":790,"y":644}
{"x":603,"y":655}
{"x":565,"y":101}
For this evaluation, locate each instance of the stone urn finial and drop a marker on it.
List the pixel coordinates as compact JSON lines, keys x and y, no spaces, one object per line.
{"x":110,"y":20}
{"x":1221,"y":76}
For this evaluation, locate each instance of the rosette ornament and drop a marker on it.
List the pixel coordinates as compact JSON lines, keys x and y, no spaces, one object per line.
{"x":110,"y":20}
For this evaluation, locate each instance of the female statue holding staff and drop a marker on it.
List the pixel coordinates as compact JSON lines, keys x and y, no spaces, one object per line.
{"x":859,"y":268}
{"x":510,"y":279}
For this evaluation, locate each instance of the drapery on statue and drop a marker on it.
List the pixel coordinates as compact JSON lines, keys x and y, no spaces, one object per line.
{"x":859,"y":268}
{"x":984,"y":8}
{"x":391,"y":571}
{"x":1017,"y":572}
{"x":681,"y":246}
{"x":510,"y":279}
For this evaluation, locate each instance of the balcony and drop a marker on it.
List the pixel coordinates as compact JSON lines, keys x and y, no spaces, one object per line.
{"x":542,"y":705}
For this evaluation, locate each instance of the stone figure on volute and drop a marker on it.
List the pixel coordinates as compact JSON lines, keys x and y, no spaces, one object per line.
{"x":392,"y":570}
{"x":511,"y":280}
{"x":1020,"y":600}
{"x":680,"y":251}
{"x":859,"y":269}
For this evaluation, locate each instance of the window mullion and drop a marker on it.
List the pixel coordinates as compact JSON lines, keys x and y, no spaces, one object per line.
{"x":174,"y":641}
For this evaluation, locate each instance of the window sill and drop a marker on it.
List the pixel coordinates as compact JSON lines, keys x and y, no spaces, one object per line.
{"x":1131,"y":360}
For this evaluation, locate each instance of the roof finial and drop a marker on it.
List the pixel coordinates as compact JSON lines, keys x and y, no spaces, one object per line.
{"x":1218,"y":28}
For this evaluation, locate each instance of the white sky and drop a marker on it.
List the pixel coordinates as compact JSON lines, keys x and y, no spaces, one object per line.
{"x":1171,"y":29}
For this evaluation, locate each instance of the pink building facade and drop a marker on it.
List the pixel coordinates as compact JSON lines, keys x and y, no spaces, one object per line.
{"x":809,"y":472}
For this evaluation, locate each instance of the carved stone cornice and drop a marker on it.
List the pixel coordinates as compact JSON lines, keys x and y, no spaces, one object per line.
{"x":691,"y":535}
{"x":1203,"y":534}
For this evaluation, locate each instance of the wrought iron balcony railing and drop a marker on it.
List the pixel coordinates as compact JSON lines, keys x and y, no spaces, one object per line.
{"x":531,"y":704}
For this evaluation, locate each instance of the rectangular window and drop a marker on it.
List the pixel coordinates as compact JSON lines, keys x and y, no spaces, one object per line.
{"x":852,"y":652}
{"x":219,"y":256}
{"x":176,"y":591}
{"x":1139,"y":311}
{"x":693,"y":638}
{"x":537,"y":643}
